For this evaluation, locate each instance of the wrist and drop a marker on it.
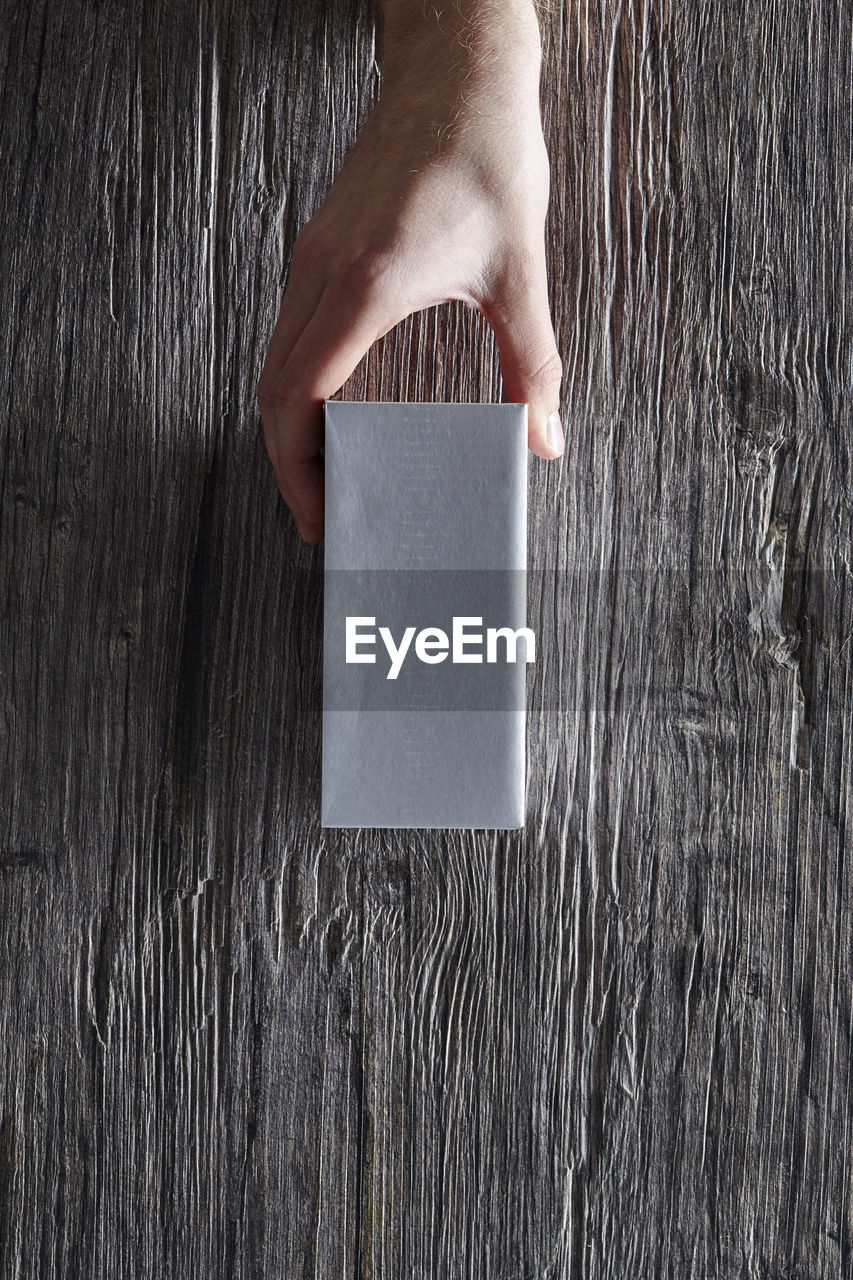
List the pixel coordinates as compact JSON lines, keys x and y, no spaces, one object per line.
{"x":467,"y":41}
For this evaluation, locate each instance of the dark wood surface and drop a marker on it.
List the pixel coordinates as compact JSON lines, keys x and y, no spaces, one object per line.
{"x":616,"y":1044}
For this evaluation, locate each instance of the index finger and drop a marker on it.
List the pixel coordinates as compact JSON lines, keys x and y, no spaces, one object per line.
{"x":337,"y":336}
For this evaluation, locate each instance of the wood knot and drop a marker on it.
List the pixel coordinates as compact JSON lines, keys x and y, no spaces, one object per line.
{"x":390,"y":883}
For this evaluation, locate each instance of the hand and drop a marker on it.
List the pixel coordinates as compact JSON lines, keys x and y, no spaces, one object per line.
{"x":443,"y":197}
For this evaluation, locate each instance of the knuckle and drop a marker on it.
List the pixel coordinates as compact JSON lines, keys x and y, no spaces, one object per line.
{"x":546,"y":372}
{"x":365,"y":270}
{"x":305,"y":247}
{"x":281,"y":390}
{"x":540,"y":164}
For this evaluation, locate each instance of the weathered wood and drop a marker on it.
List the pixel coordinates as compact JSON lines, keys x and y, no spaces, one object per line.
{"x":617,"y":1044}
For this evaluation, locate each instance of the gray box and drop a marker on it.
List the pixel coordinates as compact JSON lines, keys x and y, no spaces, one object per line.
{"x":426,"y":521}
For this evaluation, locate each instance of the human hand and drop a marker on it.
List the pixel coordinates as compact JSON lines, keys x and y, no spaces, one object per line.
{"x":443,"y":196}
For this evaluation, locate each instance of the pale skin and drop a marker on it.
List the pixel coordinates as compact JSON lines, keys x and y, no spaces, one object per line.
{"x":443,"y":197}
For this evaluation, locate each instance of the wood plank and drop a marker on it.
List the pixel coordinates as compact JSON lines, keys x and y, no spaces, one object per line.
{"x":616,"y":1043}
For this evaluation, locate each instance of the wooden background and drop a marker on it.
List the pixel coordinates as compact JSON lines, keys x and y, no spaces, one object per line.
{"x":617,"y":1044}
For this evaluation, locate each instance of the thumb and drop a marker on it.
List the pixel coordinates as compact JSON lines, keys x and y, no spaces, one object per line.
{"x":531,"y":367}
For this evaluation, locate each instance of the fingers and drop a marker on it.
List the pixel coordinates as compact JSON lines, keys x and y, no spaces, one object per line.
{"x":531,"y":367}
{"x":300,"y":301}
{"x":350,"y":314}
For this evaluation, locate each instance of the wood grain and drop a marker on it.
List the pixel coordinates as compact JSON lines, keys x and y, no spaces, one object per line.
{"x":617,"y":1044}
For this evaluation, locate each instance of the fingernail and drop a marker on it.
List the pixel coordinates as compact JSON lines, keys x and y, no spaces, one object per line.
{"x":554,"y":433}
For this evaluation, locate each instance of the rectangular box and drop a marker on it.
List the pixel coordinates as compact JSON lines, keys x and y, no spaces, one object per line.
{"x":426,"y":525}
